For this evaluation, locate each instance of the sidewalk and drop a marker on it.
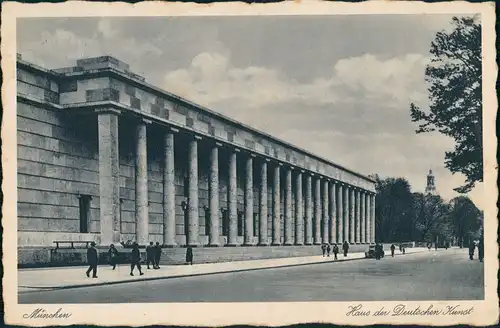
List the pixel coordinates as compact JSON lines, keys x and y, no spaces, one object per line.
{"x":73,"y":277}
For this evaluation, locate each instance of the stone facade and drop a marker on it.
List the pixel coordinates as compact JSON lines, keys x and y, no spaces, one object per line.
{"x":104,"y":156}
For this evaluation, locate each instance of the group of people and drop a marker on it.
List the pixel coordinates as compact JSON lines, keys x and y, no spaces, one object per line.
{"x":153,"y":255}
{"x":480,"y":250}
{"x":326,"y":249}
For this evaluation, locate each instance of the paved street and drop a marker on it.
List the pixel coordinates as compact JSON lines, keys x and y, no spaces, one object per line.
{"x":429,"y":275}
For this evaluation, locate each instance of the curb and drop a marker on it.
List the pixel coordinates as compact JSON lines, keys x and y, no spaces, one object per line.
{"x":38,"y":289}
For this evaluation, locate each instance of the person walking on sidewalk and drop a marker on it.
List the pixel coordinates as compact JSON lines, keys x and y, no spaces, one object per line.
{"x":150,"y":255}
{"x":93,"y":260}
{"x":345,"y":248}
{"x":328,"y":249}
{"x":335,"y":251}
{"x":189,"y":255}
{"x":113,"y":256}
{"x":480,"y":250}
{"x":136,"y":260}
{"x":393,"y":248}
{"x":157,"y":253}
{"x":323,"y":249}
{"x":471,"y":251}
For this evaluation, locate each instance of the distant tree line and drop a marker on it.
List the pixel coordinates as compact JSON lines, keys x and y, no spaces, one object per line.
{"x":402,"y":215}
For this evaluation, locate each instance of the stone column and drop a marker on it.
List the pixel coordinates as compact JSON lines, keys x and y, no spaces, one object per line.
{"x":109,"y":176}
{"x":288,"y":240}
{"x":373,"y":218}
{"x":326,"y":215}
{"x":340,"y":191}
{"x":347,"y":214}
{"x":231,"y":201}
{"x":358,"y":215}
{"x":299,"y":216}
{"x":362,"y":217}
{"x":193,"y":214}
{"x":213,"y":195}
{"x":276,"y":206}
{"x":333,"y":213}
{"x":169,"y":189}
{"x":248,"y":201}
{"x":352,"y":203}
{"x":368,"y":218}
{"x":141,"y":184}
{"x":263,"y":241}
{"x":308,"y":209}
{"x":317,"y":211}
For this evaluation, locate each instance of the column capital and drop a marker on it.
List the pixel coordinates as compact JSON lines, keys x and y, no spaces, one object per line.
{"x":145,"y":120}
{"x":107,"y":111}
{"x":217,"y":144}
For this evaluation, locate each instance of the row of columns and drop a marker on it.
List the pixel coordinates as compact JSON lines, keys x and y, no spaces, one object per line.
{"x":346,"y":213}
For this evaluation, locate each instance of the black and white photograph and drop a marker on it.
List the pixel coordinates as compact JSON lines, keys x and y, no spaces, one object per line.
{"x":177,"y":159}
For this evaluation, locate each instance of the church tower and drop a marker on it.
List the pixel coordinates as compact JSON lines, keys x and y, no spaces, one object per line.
{"x":431,"y":186}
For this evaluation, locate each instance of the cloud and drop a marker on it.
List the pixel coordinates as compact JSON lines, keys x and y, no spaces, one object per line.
{"x":211,"y":78}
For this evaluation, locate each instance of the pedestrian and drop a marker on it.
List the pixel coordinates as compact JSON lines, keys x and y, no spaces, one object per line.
{"x":323,"y":249}
{"x":393,"y":248}
{"x":404,"y":250}
{"x":189,"y":255}
{"x":429,"y":245}
{"x":93,"y":260}
{"x":335,"y":250}
{"x":150,"y":255}
{"x":471,"y":251}
{"x":480,"y":250}
{"x":345,"y":247}
{"x":135,"y":260}
{"x":400,"y":247}
{"x":436,"y":246}
{"x":328,"y":249}
{"x":113,"y":256}
{"x":377,"y":251}
{"x":157,"y":255}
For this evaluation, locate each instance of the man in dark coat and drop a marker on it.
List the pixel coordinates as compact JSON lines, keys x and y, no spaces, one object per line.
{"x":377,"y":251}
{"x":471,"y":251}
{"x":323,"y":249}
{"x":157,"y":255}
{"x":335,"y":250}
{"x":393,"y":248}
{"x":113,"y":256}
{"x":345,"y":248}
{"x":480,"y":250}
{"x":150,"y":255}
{"x":189,"y":255}
{"x":328,"y":249}
{"x":136,"y":260}
{"x":93,"y":260}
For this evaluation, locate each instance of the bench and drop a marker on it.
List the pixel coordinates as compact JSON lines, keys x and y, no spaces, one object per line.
{"x":57,"y":242}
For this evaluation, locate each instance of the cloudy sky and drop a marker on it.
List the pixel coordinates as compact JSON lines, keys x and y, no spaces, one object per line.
{"x":338,"y":86}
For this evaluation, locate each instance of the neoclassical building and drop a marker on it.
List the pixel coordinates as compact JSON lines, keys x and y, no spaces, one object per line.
{"x":105,"y":156}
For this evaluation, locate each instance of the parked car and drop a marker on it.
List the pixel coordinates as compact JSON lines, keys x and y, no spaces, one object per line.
{"x":370,"y":253}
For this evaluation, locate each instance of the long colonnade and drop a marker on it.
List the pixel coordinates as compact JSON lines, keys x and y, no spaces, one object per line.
{"x":330,"y":211}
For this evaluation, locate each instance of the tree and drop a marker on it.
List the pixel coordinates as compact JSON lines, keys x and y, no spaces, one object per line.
{"x":432,"y":219}
{"x":454,"y":78}
{"x":393,"y":213}
{"x":466,"y":219}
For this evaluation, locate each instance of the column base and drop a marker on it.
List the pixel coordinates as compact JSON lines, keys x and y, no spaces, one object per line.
{"x":308,"y":243}
{"x":193,"y":245}
{"x":275,"y":244}
{"x":170,"y":246}
{"x":299,"y":244}
{"x":263,"y":244}
{"x":317,"y":243}
{"x":213,"y":245}
{"x":231,"y":245}
{"x":248,"y":245}
{"x":288,"y":244}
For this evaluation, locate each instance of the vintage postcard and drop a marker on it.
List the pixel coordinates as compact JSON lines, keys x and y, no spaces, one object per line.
{"x":268,"y":164}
